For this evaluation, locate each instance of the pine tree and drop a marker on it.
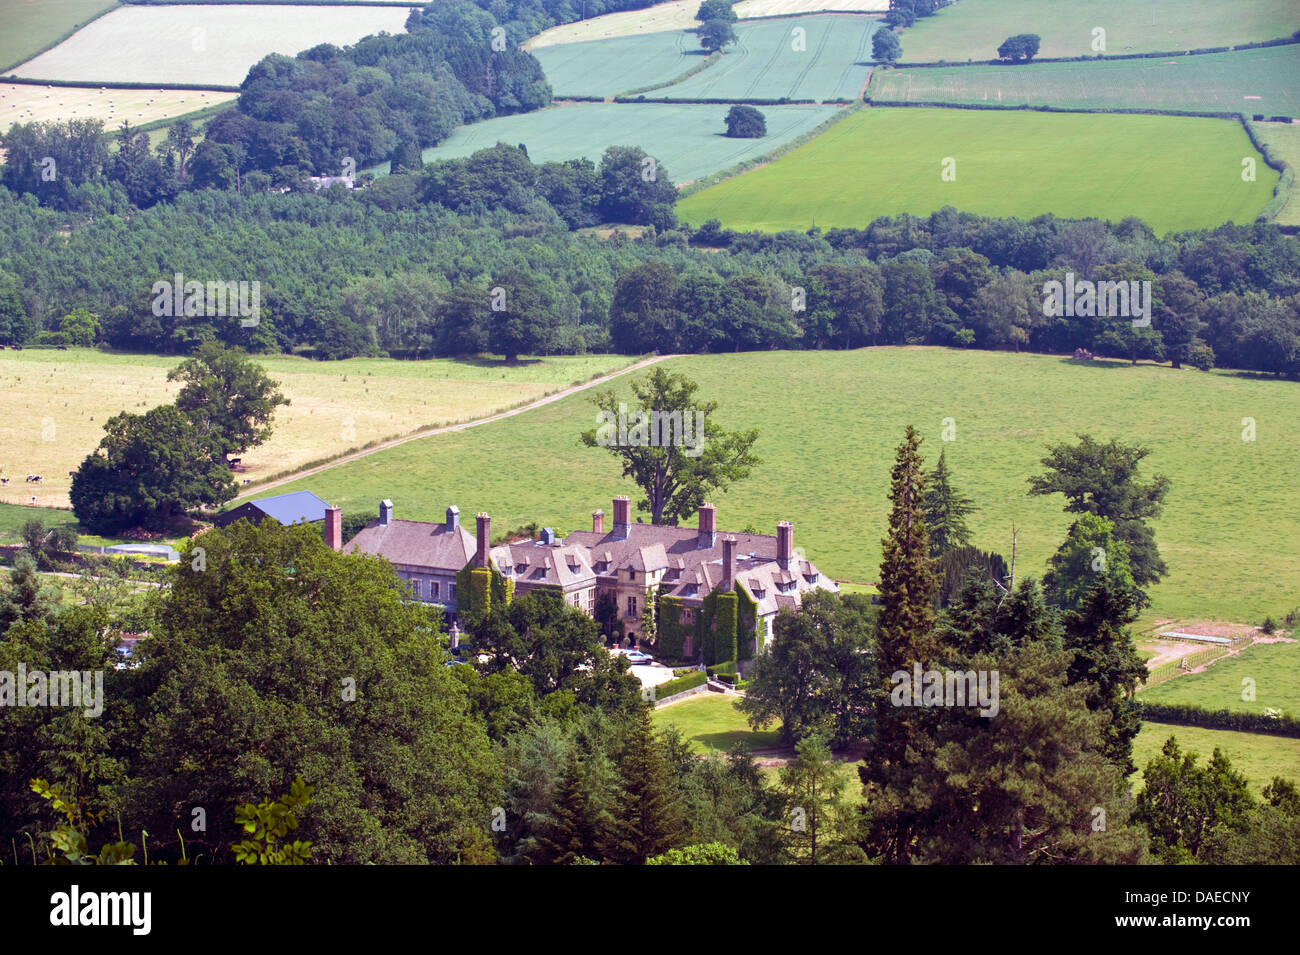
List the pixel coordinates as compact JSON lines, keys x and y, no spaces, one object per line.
{"x":945,"y":512}
{"x":650,"y":811}
{"x":570,"y":834}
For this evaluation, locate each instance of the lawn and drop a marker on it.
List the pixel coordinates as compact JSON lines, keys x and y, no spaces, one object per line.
{"x":202,"y":44}
{"x":1263,"y":81}
{"x":57,"y":403}
{"x":1283,"y":139}
{"x":31,"y":27}
{"x":830,"y":422}
{"x":1258,"y":756}
{"x":24,"y":103}
{"x":1176,"y":173}
{"x":687,"y":139}
{"x":1274,"y":668}
{"x":713,"y":724}
{"x":973,"y":29}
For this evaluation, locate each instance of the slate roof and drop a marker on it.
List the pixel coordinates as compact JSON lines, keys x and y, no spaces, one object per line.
{"x":416,"y":544}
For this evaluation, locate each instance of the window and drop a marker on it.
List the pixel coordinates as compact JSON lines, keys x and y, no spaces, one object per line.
{"x":631,"y":608}
{"x":434,"y":590}
{"x":451,"y":591}
{"x":416,"y":585}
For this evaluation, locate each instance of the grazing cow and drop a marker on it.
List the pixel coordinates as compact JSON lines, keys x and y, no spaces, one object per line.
{"x":33,"y":479}
{"x":72,"y":474}
{"x":4,"y":480}
{"x":236,"y":460}
{"x":247,"y":482}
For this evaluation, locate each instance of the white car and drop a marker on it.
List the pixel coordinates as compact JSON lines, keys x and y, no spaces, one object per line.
{"x":637,"y":658}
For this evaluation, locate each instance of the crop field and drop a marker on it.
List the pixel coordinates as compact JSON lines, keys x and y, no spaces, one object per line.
{"x":973,"y":29}
{"x":1251,"y":81}
{"x":680,"y":15}
{"x":830,"y":60}
{"x":1272,"y":668}
{"x":56,"y":403}
{"x":196,"y":44}
{"x":30,"y":27}
{"x":687,"y":138}
{"x":828,"y":470}
{"x":1176,"y":173}
{"x":1283,"y":140}
{"x":1258,"y":756}
{"x":609,"y":67}
{"x":24,"y":103}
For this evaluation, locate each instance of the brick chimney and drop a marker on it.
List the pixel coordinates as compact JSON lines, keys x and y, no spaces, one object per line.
{"x":453,"y":518}
{"x":622,"y":516}
{"x":484,"y":540}
{"x":334,"y":528}
{"x":784,"y":544}
{"x":728,"y":563}
{"x":598,"y":522}
{"x":708,"y":534}
{"x":385,"y":512}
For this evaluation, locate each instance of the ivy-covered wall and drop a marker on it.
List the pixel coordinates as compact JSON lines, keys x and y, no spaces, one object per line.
{"x":477,"y":590}
{"x":672,"y":632}
{"x":747,"y":635}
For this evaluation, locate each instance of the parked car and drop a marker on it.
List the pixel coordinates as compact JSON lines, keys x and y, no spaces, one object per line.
{"x":637,"y":658}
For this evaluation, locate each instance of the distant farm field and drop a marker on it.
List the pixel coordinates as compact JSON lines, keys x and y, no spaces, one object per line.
{"x":1258,"y":756}
{"x":829,"y":424}
{"x":687,"y":139}
{"x":1273,"y":672}
{"x":1174,"y":172}
{"x":619,"y":64}
{"x":198,"y":44}
{"x":24,"y":103}
{"x":30,"y":27}
{"x":1251,"y":81}
{"x":973,"y":29}
{"x":1283,"y":139}
{"x":56,"y":403}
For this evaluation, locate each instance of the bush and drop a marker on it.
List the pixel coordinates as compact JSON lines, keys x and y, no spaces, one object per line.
{"x":680,"y":685}
{"x":1269,"y":626}
{"x":1183,"y":714}
{"x":745,"y":122}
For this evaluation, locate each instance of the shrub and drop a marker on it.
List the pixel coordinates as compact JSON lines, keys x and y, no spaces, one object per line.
{"x":680,"y":685}
{"x":1269,"y":625}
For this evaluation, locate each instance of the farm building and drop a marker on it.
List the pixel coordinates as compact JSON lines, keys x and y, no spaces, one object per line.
{"x":298,"y":507}
{"x":623,"y":563}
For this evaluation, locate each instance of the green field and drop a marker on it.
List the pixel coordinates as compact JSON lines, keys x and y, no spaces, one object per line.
{"x":1275,"y":668}
{"x":834,"y":62}
{"x":713,"y":724}
{"x":973,"y":29}
{"x":1258,"y":756}
{"x":1252,"y":81}
{"x":619,"y":64}
{"x":1283,"y":139}
{"x":687,"y":139}
{"x":31,"y":27}
{"x":830,"y":422}
{"x":1174,"y":172}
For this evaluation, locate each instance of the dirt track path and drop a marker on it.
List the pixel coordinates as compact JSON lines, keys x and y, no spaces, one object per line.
{"x":444,"y":429}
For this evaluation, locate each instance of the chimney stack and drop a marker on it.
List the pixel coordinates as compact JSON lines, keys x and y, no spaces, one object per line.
{"x":334,"y":528}
{"x":453,"y":518}
{"x":728,"y":563}
{"x":484,"y":540}
{"x":708,"y":533}
{"x":622,"y":515}
{"x":385,"y":512}
{"x":598,"y":522}
{"x":784,"y":544}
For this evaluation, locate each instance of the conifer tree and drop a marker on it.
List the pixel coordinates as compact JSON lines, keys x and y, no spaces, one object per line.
{"x":945,"y":512}
{"x":649,"y":816}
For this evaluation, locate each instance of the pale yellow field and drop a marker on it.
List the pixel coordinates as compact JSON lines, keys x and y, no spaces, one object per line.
{"x":201,"y":44}
{"x":680,"y":15}
{"x":22,"y":103}
{"x":55,"y":404}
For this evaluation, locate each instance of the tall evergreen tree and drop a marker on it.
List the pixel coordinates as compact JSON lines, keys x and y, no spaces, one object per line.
{"x":946,"y":511}
{"x":649,"y":814}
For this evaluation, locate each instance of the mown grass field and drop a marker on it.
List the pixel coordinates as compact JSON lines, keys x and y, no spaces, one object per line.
{"x":1258,"y":756}
{"x":24,"y":103}
{"x":1251,"y":81}
{"x":1274,"y":668}
{"x":30,"y":27}
{"x":687,"y":139}
{"x":680,"y":15}
{"x":200,"y":44}
{"x":830,"y":60}
{"x":1283,"y":139}
{"x":56,"y":403}
{"x":973,"y":29}
{"x":713,"y":724}
{"x":1174,"y":172}
{"x":829,"y":425}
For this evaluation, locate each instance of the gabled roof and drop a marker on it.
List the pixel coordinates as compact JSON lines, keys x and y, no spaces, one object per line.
{"x":292,"y":508}
{"x":417,"y":544}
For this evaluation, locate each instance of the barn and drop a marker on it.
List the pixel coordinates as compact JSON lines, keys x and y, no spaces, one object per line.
{"x":294,"y":508}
